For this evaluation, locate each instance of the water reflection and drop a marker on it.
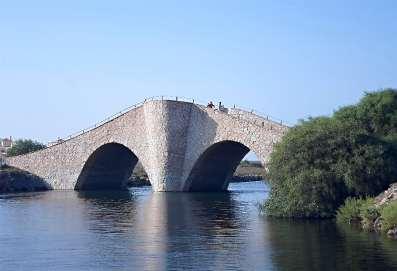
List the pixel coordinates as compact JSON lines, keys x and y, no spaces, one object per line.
{"x":108,"y":211}
{"x":167,"y":227}
{"x":323,"y":245}
{"x":174,"y":231}
{"x":380,"y":251}
{"x":202,"y":223}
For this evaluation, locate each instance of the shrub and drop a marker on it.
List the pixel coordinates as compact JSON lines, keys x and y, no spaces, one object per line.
{"x":322,"y":161}
{"x":368,"y":214}
{"x":351,"y":211}
{"x":389,"y":216}
{"x":357,"y":210}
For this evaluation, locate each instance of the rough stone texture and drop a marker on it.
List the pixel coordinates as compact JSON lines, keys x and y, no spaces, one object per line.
{"x":387,"y":196}
{"x":174,"y":141}
{"x":392,"y":233}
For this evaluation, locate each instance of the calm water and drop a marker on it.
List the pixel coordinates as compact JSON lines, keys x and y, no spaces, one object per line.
{"x":141,"y":230}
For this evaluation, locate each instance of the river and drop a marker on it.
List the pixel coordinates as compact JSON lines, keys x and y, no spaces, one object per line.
{"x":141,"y":230}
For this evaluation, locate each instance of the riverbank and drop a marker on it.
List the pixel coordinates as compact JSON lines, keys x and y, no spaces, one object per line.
{"x":247,"y":171}
{"x":15,"y":180}
{"x":377,"y":214}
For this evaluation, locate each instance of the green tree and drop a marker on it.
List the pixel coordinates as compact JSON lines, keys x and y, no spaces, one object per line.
{"x":23,"y":146}
{"x":322,"y":161}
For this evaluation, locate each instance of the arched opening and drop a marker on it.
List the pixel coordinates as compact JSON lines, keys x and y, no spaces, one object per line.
{"x":215,"y":166}
{"x":139,"y":177}
{"x":250,"y":169}
{"x":108,"y":167}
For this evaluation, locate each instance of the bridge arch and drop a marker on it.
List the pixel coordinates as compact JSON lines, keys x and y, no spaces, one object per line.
{"x":169,"y":137}
{"x":108,"y":167}
{"x":214,"y":166}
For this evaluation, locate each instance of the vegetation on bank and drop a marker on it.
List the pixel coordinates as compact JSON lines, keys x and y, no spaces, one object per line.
{"x":15,"y":180}
{"x":358,"y":210}
{"x":247,"y":171}
{"x":322,"y":161}
{"x":368,"y":215}
{"x":388,"y":214}
{"x":23,"y":146}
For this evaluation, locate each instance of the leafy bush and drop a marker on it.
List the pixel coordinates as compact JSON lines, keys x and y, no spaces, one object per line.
{"x":23,"y":146}
{"x":322,"y":161}
{"x":389,"y":216}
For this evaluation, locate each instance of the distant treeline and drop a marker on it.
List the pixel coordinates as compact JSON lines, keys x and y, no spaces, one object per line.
{"x":246,"y":171}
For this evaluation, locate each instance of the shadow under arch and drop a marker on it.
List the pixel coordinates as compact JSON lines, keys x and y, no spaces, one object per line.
{"x":215,"y":166}
{"x":107,"y":168}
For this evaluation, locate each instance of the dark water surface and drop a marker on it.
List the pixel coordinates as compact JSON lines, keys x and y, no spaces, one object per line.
{"x":141,"y":230}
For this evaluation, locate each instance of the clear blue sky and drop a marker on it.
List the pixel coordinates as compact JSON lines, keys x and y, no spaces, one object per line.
{"x":64,"y":66}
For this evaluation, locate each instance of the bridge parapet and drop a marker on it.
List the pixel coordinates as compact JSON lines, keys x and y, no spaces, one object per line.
{"x":239,"y":112}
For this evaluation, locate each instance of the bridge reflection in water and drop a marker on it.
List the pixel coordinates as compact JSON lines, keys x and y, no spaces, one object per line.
{"x":141,"y":230}
{"x":164,"y":229}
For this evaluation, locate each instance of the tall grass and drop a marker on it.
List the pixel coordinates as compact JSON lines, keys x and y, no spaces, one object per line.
{"x":389,"y":216}
{"x":364,"y":212}
{"x":350,"y":212}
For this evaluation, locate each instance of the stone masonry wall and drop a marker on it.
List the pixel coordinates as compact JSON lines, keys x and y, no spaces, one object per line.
{"x":167,"y":137}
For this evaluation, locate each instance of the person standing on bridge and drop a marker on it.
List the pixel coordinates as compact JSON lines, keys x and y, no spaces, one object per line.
{"x":210,"y":105}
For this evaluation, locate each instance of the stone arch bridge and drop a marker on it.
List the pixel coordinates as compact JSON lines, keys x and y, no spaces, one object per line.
{"x":183,"y":146}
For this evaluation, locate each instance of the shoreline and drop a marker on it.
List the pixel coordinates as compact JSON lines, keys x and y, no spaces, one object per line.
{"x":13,"y":180}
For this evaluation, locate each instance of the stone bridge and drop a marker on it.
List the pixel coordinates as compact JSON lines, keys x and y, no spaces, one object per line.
{"x":182,"y":146}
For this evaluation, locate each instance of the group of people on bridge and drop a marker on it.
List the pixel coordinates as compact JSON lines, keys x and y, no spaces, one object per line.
{"x":220,"y":106}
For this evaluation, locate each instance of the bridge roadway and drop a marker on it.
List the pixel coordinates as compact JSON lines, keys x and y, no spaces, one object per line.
{"x":182,"y":146}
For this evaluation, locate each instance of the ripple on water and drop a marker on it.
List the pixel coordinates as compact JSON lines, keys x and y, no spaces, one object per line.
{"x":177,"y":231}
